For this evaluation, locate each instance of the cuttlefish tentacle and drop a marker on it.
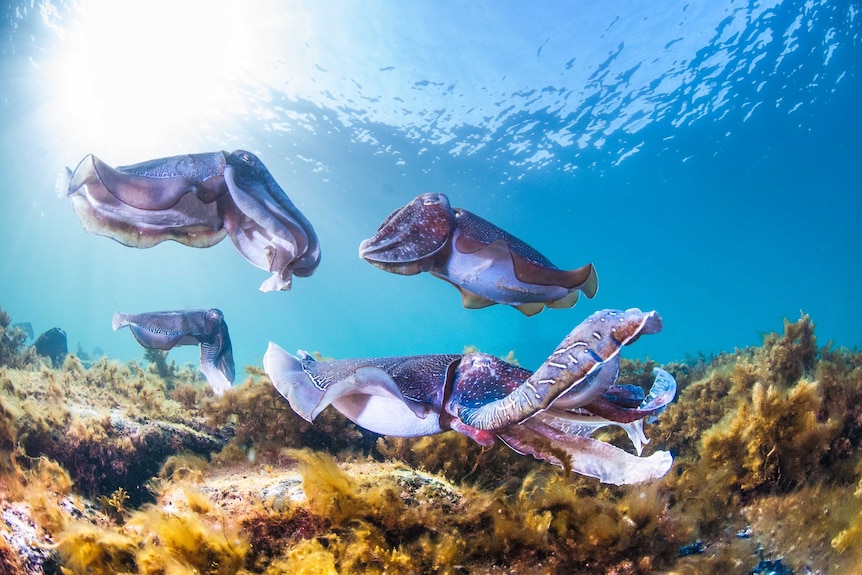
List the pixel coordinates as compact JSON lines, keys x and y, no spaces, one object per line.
{"x":168,"y":329}
{"x":586,"y":456}
{"x":569,"y":369}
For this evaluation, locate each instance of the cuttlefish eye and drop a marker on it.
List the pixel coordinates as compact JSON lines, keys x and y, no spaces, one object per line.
{"x":431,"y":199}
{"x":247,"y":158}
{"x":480,"y":362}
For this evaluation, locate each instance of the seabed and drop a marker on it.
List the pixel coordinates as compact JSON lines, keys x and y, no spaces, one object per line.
{"x":110,"y":467}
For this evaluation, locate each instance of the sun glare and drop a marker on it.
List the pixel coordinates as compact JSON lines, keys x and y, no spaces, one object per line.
{"x":145,"y":74}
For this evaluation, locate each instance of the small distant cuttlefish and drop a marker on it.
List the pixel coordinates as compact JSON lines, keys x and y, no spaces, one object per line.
{"x":487,"y":264}
{"x":168,"y":329}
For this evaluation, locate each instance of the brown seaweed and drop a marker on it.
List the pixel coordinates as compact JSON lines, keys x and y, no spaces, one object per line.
{"x":768,"y":443}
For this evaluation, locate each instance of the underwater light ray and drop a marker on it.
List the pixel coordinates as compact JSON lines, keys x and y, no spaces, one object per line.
{"x":145,"y":76}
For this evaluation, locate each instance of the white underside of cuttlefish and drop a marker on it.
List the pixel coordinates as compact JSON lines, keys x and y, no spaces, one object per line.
{"x":487,"y":264}
{"x":550,"y":414}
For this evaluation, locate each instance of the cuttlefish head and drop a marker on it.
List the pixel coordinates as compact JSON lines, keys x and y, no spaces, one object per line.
{"x":411,"y":237}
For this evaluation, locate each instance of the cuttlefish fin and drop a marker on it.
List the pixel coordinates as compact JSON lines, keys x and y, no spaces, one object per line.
{"x":140,"y":211}
{"x":584,"y":278}
{"x":349,"y":395}
{"x":471,"y":300}
{"x":152,"y":336}
{"x":120,"y":320}
{"x":565,"y":302}
{"x":529,"y":309}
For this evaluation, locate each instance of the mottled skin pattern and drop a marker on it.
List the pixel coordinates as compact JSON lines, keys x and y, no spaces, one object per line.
{"x":408,"y":248}
{"x":549,"y":414}
{"x":168,"y":329}
{"x":487,"y":264}
{"x":417,"y":377}
{"x":196,"y":200}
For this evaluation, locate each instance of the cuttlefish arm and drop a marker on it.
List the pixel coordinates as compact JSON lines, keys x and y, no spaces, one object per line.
{"x":570,"y":370}
{"x":168,"y":329}
{"x":197,"y":200}
{"x":411,"y":238}
{"x":145,"y":204}
{"x":586,"y":456}
{"x":264,"y":224}
{"x":400,"y":396}
{"x":616,"y":409}
{"x":561,"y":434}
{"x":607,"y":410}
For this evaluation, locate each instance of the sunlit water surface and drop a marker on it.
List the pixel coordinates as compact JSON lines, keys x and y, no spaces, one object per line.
{"x":704,"y":156}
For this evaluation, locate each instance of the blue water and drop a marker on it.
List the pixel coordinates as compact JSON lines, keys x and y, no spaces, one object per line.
{"x":704,"y":156}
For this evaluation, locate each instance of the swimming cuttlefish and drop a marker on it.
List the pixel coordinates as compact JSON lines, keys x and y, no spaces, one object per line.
{"x":549,"y":414}
{"x":197,"y":200}
{"x":487,"y":264}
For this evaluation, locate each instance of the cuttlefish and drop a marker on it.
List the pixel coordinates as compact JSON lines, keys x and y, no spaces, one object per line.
{"x":487,"y":264}
{"x":197,"y":200}
{"x":168,"y":329}
{"x":549,"y":414}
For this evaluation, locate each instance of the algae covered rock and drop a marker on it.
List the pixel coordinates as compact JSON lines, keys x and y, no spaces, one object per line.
{"x":131,"y":468}
{"x":109,"y":426}
{"x":105,"y":451}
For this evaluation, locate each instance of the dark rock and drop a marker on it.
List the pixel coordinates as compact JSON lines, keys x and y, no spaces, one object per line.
{"x":53,"y":344}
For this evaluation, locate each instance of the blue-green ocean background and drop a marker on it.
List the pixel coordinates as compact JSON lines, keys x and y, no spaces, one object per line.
{"x":706,"y":157}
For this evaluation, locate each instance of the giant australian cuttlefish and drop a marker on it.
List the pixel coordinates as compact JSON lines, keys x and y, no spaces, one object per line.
{"x":197,"y":200}
{"x":550,"y":413}
{"x":487,"y":264}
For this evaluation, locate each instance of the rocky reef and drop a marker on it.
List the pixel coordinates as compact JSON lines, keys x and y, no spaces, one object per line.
{"x":139,"y":468}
